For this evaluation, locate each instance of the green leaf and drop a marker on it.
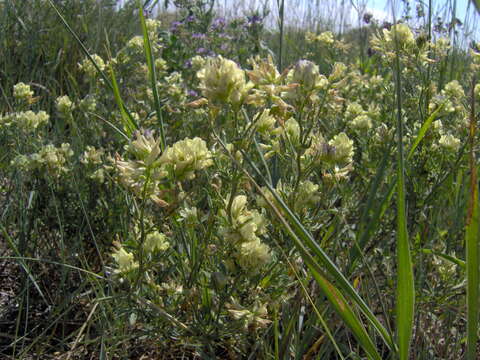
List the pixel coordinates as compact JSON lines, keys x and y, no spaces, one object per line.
{"x":152,"y":74}
{"x":471,"y":240}
{"x":405,"y":294}
{"x":423,"y":130}
{"x":127,"y":120}
{"x":447,"y":257}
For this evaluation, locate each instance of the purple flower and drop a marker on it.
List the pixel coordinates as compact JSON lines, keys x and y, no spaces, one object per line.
{"x":255,"y":19}
{"x":192,"y":93}
{"x":190,"y":19}
{"x":175,"y":25}
{"x":198,"y":36}
{"x":187,"y":64}
{"x":218,"y":23}
{"x":201,"y":50}
{"x":224,"y":46}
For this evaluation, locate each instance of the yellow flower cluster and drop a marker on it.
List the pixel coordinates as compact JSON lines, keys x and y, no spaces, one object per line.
{"x":89,"y":69}
{"x":187,"y":156}
{"x":64,"y":105}
{"x":49,"y":158}
{"x":223,"y":81}
{"x":22,"y":91}
{"x":25,"y":120}
{"x":243,"y":230}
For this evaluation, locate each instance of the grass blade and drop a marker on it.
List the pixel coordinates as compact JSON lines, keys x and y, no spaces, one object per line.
{"x":423,"y":130}
{"x":152,"y":74}
{"x":472,"y":245}
{"x":127,"y":120}
{"x":405,"y":294}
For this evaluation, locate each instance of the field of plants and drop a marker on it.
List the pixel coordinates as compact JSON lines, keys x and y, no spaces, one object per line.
{"x":177,"y":183}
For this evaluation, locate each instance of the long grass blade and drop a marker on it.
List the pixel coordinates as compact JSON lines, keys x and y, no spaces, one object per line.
{"x":423,"y":130}
{"x":306,"y":242}
{"x":152,"y":75}
{"x":405,"y":294}
{"x":452,"y":259}
{"x":333,"y":294}
{"x":471,"y":240}
{"x":128,"y":122}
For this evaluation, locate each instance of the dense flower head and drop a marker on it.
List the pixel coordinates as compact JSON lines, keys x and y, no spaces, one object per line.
{"x":50,"y":158}
{"x":454,"y":90}
{"x":125,"y":260}
{"x":343,"y":148}
{"x":245,"y":224}
{"x":292,"y":130}
{"x":25,"y":120}
{"x":223,"y":81}
{"x":156,"y":241}
{"x":92,"y":156}
{"x":256,"y":318}
{"x":88,"y":104}
{"x":361,"y":122}
{"x":265,"y":122}
{"x":145,"y":147}
{"x":22,"y":91}
{"x":399,"y":38}
{"x":89,"y":69}
{"x":252,"y":255}
{"x":64,"y":105}
{"x":449,"y":142}
{"x":264,"y":71}
{"x":307,"y":74}
{"x":308,"y":195}
{"x":187,"y":156}
{"x":400,"y":33}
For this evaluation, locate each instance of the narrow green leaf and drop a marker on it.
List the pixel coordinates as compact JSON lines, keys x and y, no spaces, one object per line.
{"x":405,"y":297}
{"x":152,"y":74}
{"x":472,"y":277}
{"x":471,"y":240}
{"x":447,"y":257}
{"x":423,"y":130}
{"x":22,"y":263}
{"x":310,"y":251}
{"x":335,"y":297}
{"x":342,"y":307}
{"x":128,"y":124}
{"x":369,"y":224}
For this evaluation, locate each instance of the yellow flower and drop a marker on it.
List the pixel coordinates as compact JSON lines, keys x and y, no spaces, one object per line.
{"x":222,"y":81}
{"x":156,"y":241}
{"x":186,"y":156}
{"x":124,"y":260}
{"x":343,"y":148}
{"x":22,"y":91}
